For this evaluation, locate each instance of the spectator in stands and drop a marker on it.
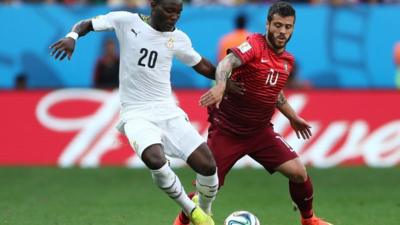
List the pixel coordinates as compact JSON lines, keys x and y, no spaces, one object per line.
{"x":234,"y":38}
{"x":73,"y":2}
{"x":20,"y":82}
{"x":9,"y":2}
{"x":107,"y":66}
{"x":345,"y":2}
{"x":213,"y":2}
{"x":128,"y":3}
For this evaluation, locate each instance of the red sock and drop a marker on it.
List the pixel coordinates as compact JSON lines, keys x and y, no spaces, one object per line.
{"x":191,"y":194}
{"x":182,"y":216}
{"x":302,"y":195}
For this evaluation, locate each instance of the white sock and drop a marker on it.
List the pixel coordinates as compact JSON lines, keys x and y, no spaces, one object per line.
{"x":167,"y":181}
{"x":207,"y":186}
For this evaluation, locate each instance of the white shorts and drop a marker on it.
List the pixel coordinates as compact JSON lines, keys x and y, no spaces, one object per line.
{"x":176,"y":135}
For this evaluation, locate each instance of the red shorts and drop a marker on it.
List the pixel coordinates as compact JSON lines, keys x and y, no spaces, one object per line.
{"x":267,"y":148}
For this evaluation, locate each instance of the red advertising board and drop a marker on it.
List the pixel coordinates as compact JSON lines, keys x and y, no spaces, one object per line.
{"x":76,"y":127}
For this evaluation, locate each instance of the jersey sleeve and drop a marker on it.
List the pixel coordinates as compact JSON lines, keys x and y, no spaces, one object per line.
{"x":109,"y":21}
{"x":185,"y":51}
{"x":246,"y":51}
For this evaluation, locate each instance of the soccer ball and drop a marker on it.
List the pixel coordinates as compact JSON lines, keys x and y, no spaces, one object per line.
{"x":241,"y":218}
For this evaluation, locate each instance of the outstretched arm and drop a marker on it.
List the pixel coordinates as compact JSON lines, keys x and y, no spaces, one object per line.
{"x":205,"y":68}
{"x":299,"y":125}
{"x":65,"y":46}
{"x":224,"y":69}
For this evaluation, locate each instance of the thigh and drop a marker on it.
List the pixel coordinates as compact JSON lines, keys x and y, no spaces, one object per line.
{"x":227,"y":150}
{"x":271,"y":150}
{"x":180,"y":137}
{"x":141,"y":134}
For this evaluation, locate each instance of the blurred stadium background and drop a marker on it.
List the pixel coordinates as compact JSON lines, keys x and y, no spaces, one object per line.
{"x":56,"y":121}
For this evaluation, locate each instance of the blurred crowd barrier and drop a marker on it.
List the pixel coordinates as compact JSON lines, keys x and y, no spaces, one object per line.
{"x":335,"y":46}
{"x":76,"y":127}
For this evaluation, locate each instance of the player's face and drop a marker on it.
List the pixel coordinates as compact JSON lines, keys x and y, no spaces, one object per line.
{"x":166,"y":14}
{"x":279,"y":30}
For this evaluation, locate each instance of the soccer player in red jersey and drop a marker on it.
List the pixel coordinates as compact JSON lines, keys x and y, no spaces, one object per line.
{"x":241,"y":123}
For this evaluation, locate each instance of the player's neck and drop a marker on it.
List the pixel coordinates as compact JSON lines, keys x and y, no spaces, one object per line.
{"x":149,"y":21}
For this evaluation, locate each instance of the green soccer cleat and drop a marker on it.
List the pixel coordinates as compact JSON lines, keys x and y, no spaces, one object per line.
{"x":195,"y":199}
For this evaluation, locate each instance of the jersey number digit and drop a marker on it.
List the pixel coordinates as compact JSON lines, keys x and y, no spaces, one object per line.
{"x":151,"y":61}
{"x":272,"y":77}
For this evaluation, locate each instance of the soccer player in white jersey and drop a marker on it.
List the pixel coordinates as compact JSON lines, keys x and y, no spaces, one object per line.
{"x":150,"y":118}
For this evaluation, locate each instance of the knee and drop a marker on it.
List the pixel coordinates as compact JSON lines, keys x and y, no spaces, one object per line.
{"x":155,"y":163}
{"x":299,"y":175}
{"x":153,"y":158}
{"x":208,"y":168}
{"x":202,"y":161}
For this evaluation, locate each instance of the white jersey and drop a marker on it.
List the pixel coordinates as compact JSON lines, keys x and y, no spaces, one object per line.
{"x":145,"y":64}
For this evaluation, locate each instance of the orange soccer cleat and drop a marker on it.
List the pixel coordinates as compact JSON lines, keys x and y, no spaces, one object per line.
{"x":181,"y":221}
{"x":314,"y":221}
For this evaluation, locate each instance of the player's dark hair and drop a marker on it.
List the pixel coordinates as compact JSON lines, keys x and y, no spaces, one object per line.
{"x":158,"y":1}
{"x":281,"y":8}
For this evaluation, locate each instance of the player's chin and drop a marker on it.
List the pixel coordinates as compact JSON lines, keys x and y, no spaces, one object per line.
{"x":280,"y":44}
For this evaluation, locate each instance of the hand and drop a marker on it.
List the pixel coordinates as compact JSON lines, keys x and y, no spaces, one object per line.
{"x":213,"y":96}
{"x":301,"y":127}
{"x":63,"y":47}
{"x":235,"y":87}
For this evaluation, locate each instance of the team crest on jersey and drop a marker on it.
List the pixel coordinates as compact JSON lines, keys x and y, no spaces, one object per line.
{"x":244,"y":47}
{"x":285,"y":65}
{"x":170,"y":43}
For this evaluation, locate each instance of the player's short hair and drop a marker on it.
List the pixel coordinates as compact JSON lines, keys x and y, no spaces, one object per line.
{"x":158,"y":1}
{"x":281,"y":8}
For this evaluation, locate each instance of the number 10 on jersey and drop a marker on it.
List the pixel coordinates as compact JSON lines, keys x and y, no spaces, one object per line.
{"x":272,"y":77}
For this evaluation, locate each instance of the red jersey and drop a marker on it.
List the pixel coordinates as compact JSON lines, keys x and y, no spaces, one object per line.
{"x":264,"y":74}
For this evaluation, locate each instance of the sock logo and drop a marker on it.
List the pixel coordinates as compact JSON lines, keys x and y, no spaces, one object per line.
{"x":308,"y":198}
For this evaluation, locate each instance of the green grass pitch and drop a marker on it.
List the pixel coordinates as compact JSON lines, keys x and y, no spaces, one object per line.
{"x":120,"y":196}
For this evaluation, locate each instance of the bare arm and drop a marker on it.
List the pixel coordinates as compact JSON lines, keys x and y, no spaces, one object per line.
{"x":284,"y":107}
{"x":66,"y":45}
{"x":299,"y":125}
{"x":224,"y":69}
{"x":83,"y":27}
{"x":205,"y":68}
